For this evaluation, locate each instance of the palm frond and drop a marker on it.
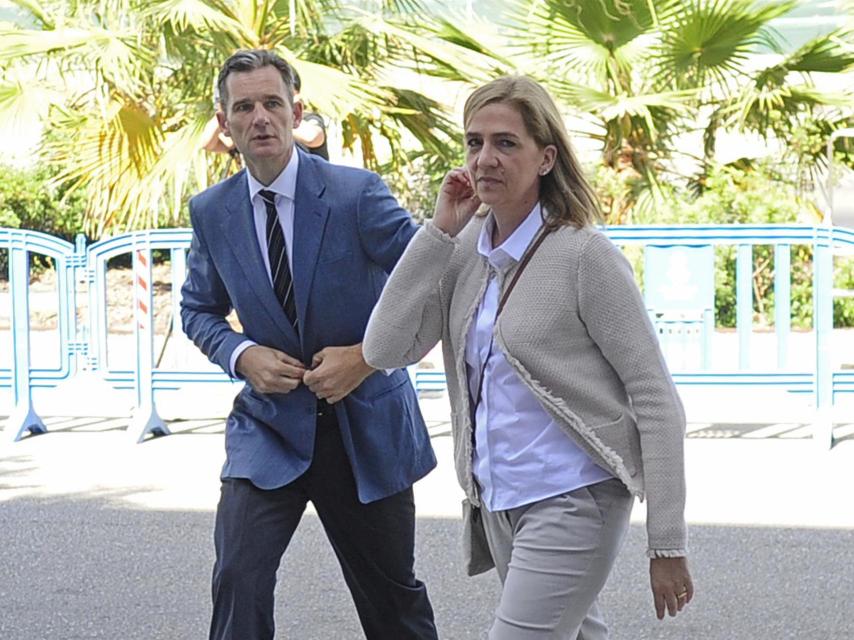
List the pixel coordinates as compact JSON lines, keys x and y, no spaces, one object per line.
{"x":610,"y":106}
{"x":181,"y":164}
{"x":25,"y":103}
{"x":409,"y":9}
{"x":711,"y":41}
{"x":22,"y":43}
{"x":600,"y":40}
{"x":129,"y":121}
{"x":195,"y":15}
{"x":469,"y":44}
{"x":335,"y":92}
{"x":771,"y":105}
{"x":117,"y":55}
{"x":825,"y":54}
{"x":434,"y":133}
{"x":111,"y":154}
{"x":36,"y":10}
{"x":428,"y":51}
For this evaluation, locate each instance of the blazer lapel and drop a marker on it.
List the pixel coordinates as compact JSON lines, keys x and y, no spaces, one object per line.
{"x":310,"y":216}
{"x":239,"y":226}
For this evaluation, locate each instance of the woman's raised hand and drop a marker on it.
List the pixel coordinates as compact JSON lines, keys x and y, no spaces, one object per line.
{"x":457,"y":202}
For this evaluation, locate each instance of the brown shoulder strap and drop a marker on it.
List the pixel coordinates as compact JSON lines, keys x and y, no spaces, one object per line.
{"x":526,"y":257}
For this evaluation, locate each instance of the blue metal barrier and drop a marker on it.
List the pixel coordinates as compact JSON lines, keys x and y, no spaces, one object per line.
{"x":145,"y":378}
{"x":22,"y":376}
{"x":84,"y":345}
{"x":427,"y":380}
{"x":680,"y":299}
{"x":821,"y":380}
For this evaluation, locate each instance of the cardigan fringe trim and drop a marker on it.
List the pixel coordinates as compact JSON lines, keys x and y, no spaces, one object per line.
{"x":468,"y":424}
{"x":437,"y":233}
{"x":667,"y":553}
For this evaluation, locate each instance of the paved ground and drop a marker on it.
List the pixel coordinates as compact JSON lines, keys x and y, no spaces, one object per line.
{"x":100,"y":538}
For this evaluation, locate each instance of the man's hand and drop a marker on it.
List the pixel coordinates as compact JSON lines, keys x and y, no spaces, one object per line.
{"x":269,"y":370}
{"x":336,"y":371}
{"x":671,"y":585}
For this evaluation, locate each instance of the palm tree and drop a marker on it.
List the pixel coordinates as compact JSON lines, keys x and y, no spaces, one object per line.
{"x":124,"y":88}
{"x":646,"y":73}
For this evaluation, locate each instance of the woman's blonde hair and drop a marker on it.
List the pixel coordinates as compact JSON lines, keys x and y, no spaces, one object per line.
{"x":566,"y":196}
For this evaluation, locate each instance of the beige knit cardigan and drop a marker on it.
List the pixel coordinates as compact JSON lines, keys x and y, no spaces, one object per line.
{"x":577,"y":332}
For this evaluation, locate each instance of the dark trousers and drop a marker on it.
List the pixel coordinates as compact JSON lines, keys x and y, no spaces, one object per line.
{"x":374,"y":544}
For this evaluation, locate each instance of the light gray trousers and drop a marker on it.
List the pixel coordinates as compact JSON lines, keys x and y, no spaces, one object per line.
{"x":553,"y":558}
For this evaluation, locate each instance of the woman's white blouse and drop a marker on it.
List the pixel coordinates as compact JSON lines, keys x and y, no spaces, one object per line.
{"x":521,"y":455}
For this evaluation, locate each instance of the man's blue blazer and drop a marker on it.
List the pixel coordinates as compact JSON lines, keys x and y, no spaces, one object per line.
{"x":348,"y":234}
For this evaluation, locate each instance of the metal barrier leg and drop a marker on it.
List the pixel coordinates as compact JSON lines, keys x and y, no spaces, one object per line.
{"x":823,"y":327}
{"x":744,"y":302}
{"x":23,"y":417}
{"x":145,"y":419}
{"x":22,"y":420}
{"x":144,"y":422}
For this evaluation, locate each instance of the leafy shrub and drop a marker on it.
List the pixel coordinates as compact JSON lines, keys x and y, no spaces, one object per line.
{"x":29,"y":200}
{"x":9,"y":219}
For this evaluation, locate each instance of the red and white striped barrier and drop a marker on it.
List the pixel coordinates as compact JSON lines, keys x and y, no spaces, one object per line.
{"x":142,"y":294}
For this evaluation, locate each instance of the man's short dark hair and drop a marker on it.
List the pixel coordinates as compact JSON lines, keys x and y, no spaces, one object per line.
{"x":249,"y":60}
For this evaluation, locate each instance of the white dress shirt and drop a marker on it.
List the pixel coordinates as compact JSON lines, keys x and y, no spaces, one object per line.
{"x":521,"y":454}
{"x":284,"y":186}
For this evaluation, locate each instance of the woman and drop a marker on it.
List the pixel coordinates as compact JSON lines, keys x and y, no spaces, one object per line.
{"x":562,"y":405}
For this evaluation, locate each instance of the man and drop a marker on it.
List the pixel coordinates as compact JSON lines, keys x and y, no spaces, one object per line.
{"x":313,"y":422}
{"x":311,"y":132}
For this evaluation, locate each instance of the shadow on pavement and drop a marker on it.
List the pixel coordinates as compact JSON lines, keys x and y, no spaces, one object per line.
{"x":766,"y":431}
{"x":440,"y":428}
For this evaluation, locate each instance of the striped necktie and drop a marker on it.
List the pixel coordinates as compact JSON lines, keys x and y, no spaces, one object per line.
{"x":278,"y":252}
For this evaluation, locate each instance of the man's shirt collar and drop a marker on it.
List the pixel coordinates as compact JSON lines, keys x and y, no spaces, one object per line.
{"x":284,"y":185}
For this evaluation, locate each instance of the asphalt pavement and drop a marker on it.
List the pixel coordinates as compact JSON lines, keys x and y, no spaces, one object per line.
{"x":101,"y":538}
